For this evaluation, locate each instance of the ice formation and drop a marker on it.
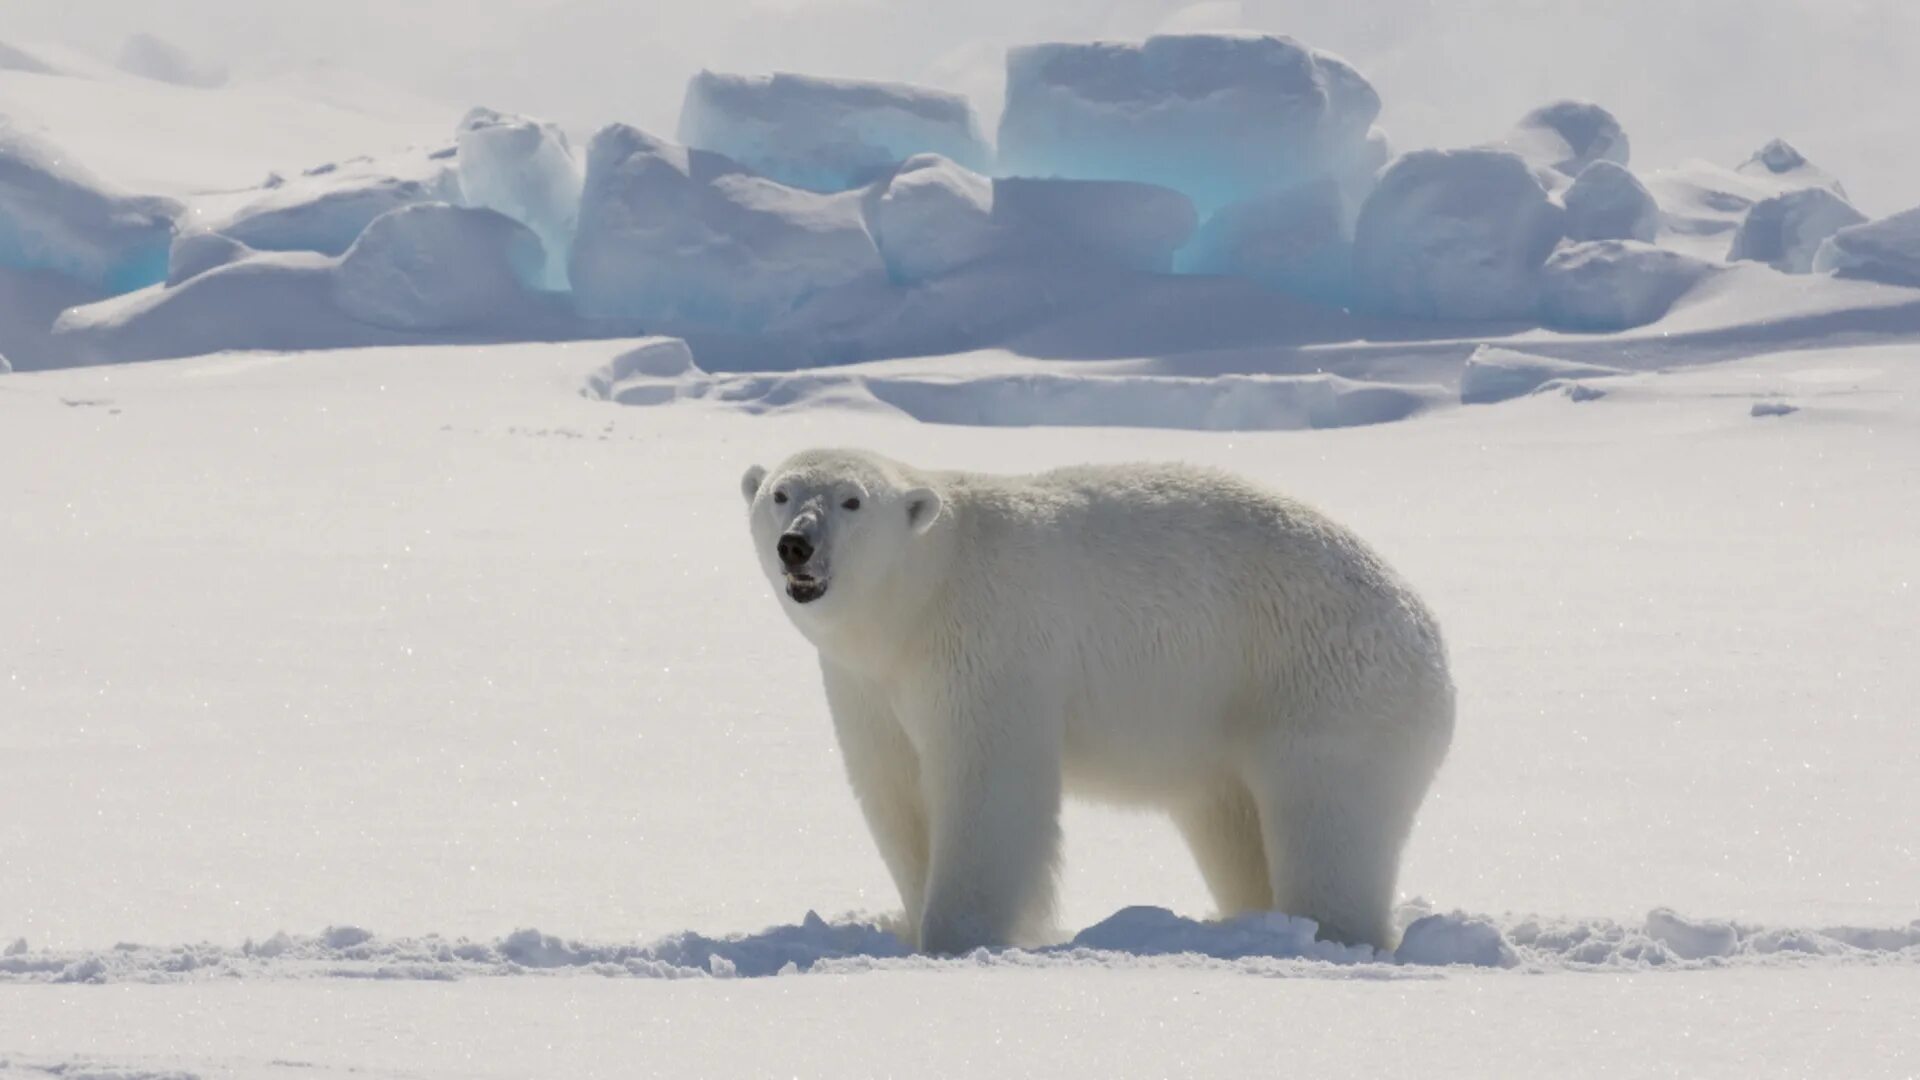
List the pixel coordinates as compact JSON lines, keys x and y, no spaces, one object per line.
{"x":1454,"y":234}
{"x":325,"y":209}
{"x":524,"y":169}
{"x":1606,"y":202}
{"x":687,"y":236}
{"x":1292,"y":240}
{"x":1703,"y":202}
{"x":1114,"y":223}
{"x":1786,"y":231}
{"x":1614,"y":284}
{"x":55,"y":216}
{"x":931,"y":217}
{"x":196,"y":253}
{"x":436,"y":267}
{"x":826,"y":135}
{"x":1884,"y":250}
{"x":1568,"y":136}
{"x":1220,"y":117}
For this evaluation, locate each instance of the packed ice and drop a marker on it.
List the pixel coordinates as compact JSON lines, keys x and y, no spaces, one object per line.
{"x":1786,"y":231}
{"x":1886,"y":250}
{"x":525,"y":169}
{"x":55,"y":215}
{"x":1600,"y":285}
{"x":432,"y":266}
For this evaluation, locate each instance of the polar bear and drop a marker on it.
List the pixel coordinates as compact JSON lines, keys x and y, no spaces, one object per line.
{"x":1153,"y":635}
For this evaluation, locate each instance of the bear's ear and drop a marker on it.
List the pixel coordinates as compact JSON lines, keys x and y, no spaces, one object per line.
{"x":750,"y":482}
{"x":923,"y":505}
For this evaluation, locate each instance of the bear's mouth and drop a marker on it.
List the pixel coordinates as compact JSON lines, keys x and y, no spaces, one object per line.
{"x":805,"y":588}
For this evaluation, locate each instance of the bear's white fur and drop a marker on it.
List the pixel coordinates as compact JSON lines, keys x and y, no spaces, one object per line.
{"x":1149,"y":634}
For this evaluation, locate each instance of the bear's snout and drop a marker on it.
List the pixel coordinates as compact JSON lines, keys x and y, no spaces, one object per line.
{"x":794,"y":550}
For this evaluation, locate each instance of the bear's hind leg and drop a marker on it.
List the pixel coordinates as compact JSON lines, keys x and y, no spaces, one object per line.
{"x":1334,"y":821}
{"x":1223,"y":830}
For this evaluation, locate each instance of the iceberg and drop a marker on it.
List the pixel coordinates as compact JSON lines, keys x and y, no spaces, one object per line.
{"x":826,"y":135}
{"x":524,"y":169}
{"x":1454,"y":234}
{"x":56,"y":216}
{"x":1218,"y":117}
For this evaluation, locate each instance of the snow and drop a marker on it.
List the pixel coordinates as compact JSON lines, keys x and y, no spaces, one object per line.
{"x":325,"y":208}
{"x":1607,"y":202}
{"x":523,"y":168}
{"x":931,"y":217}
{"x":54,"y":215}
{"x":1454,"y":234}
{"x":1569,"y":136}
{"x":437,"y":267}
{"x":1885,"y":250}
{"x":827,"y":135}
{"x":685,"y":236}
{"x":1614,"y":284}
{"x":155,"y":58}
{"x":1218,"y":117}
{"x":195,"y":253}
{"x":1702,"y":203}
{"x":1494,"y":374}
{"x":1785,"y":231}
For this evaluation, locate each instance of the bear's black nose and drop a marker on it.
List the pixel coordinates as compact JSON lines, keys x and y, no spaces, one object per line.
{"x":794,"y":550}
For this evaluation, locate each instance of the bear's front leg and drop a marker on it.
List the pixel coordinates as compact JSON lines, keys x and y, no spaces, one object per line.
{"x":884,"y":770}
{"x":990,"y":766}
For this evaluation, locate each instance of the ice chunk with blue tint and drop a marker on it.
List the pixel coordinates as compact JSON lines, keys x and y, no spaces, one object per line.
{"x":1219,"y":117}
{"x":524,"y":169}
{"x":826,"y":135}
{"x":56,"y":216}
{"x":683,"y":236}
{"x":1293,"y":240}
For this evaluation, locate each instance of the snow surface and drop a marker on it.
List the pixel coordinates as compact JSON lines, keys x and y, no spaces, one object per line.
{"x":326,"y":207}
{"x":155,"y":58}
{"x":827,"y":135}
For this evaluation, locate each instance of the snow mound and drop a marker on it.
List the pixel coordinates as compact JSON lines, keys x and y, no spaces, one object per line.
{"x":1454,"y":234}
{"x":150,"y":57}
{"x":1692,"y":939}
{"x":326,"y":208}
{"x":1886,"y":250}
{"x":826,"y":135}
{"x":1703,"y":201}
{"x":931,"y":217}
{"x":1154,"y":931}
{"x":1219,"y":117}
{"x":1494,"y":374}
{"x":56,"y":216}
{"x":1600,"y":285}
{"x":1606,"y":202}
{"x":1786,"y":231}
{"x":193,"y":254}
{"x":524,"y":169}
{"x":686,"y":236}
{"x":435,"y":267}
{"x":1112,"y":223}
{"x":1292,"y":240}
{"x":1778,"y":162}
{"x":646,"y":361}
{"x":1039,"y":398}
{"x":12,"y":59}
{"x":1457,"y":938}
{"x":1568,"y":136}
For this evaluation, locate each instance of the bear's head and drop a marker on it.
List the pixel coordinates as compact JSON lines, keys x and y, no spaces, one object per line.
{"x":835,"y":528}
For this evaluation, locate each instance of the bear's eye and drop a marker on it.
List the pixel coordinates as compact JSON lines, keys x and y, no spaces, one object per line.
{"x":851,"y":504}
{"x":780,"y":496}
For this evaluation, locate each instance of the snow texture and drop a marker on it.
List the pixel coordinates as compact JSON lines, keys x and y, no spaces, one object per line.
{"x":1219,"y":117}
{"x":195,"y":253}
{"x":1786,"y":231}
{"x":524,"y":169}
{"x":1606,"y":202}
{"x":1600,"y":285}
{"x":1494,"y":374}
{"x":689,"y":237}
{"x":432,"y":266}
{"x":1293,"y":240}
{"x":1454,"y":234}
{"x":1568,"y":136}
{"x":1112,"y":223}
{"x":56,"y":216}
{"x":162,"y":61}
{"x":826,"y":135}
{"x":326,"y":208}
{"x":1886,"y":250}
{"x":931,"y":217}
